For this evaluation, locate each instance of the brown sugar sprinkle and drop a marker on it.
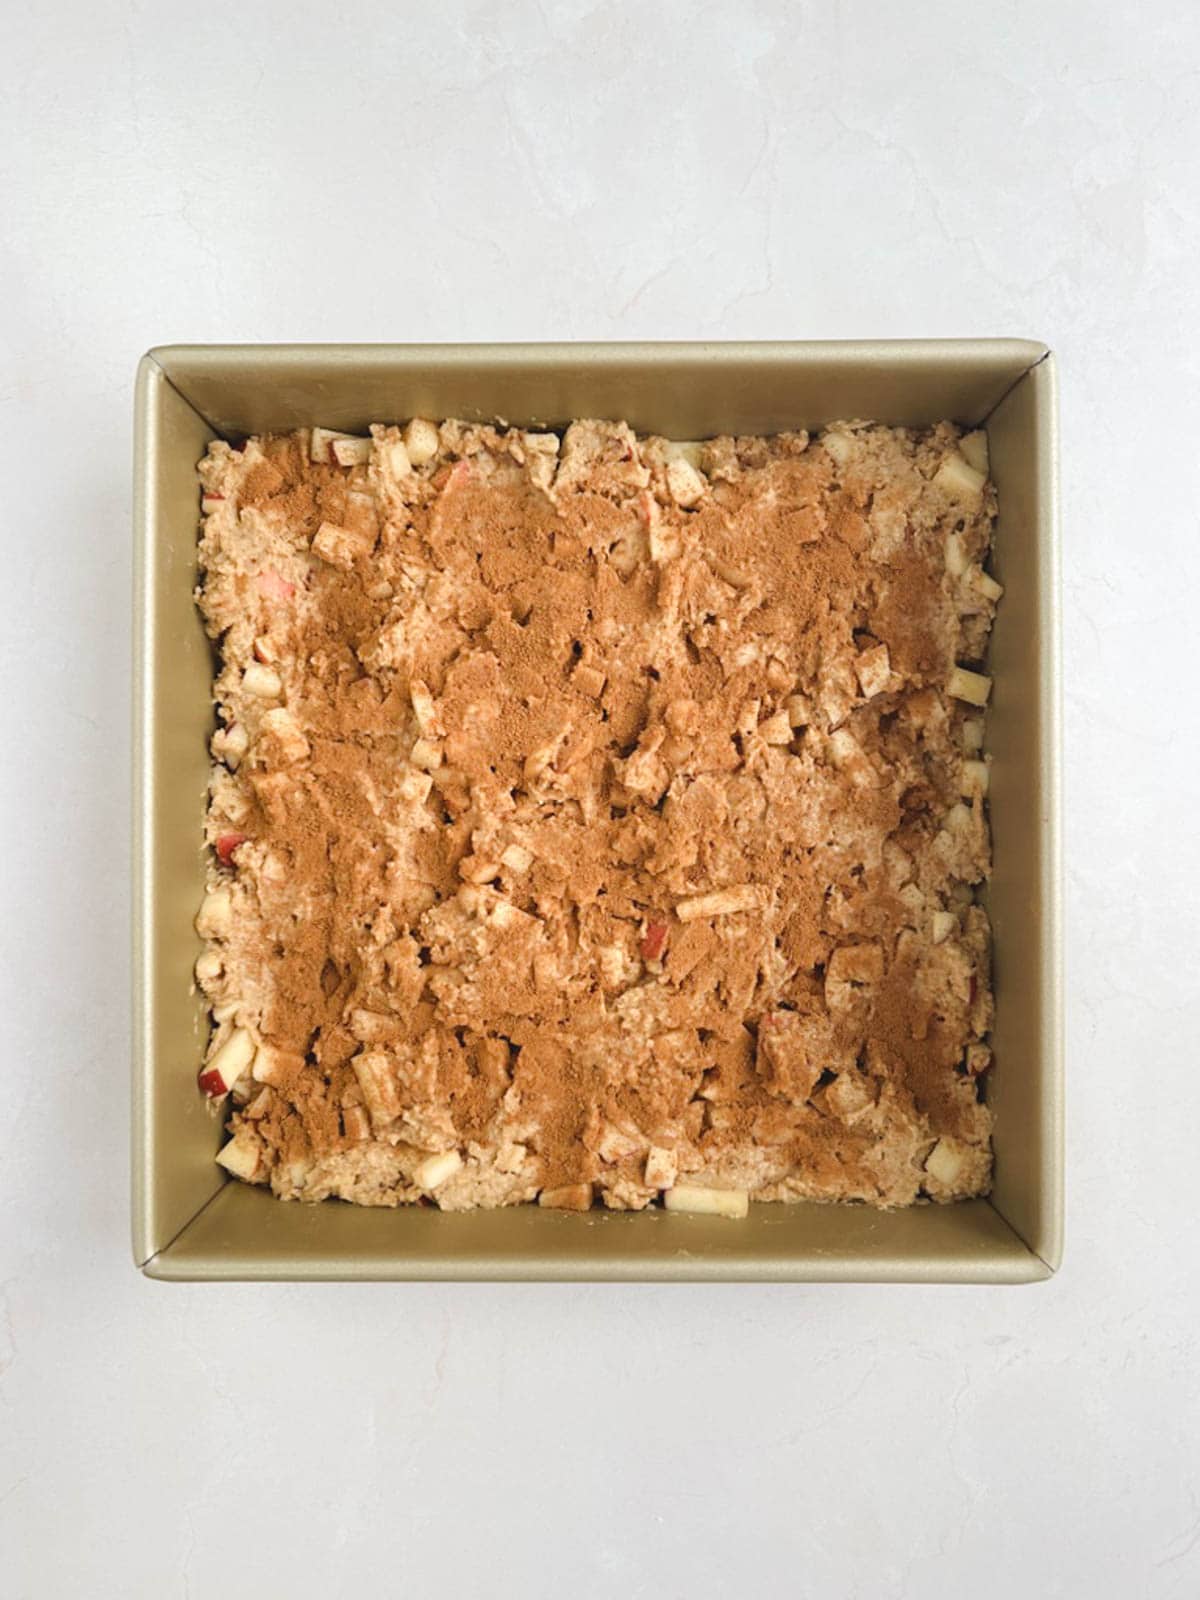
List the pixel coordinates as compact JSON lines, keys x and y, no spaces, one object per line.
{"x":609,"y":814}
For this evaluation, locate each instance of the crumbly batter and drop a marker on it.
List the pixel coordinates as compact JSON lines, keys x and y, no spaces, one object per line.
{"x":596,"y":818}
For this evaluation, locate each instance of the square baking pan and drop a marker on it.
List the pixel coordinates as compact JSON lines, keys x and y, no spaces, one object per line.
{"x":189,"y":1220}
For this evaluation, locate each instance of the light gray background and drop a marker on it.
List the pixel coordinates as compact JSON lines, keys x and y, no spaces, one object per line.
{"x":600,"y":170}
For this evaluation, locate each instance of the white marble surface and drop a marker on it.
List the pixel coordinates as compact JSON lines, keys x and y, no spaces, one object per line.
{"x":486,"y":171}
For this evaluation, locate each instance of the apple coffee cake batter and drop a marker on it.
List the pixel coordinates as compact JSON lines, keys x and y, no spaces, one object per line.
{"x":597,"y":818}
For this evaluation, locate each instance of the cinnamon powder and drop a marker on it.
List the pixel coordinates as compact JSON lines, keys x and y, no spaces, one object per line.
{"x":539,"y":705}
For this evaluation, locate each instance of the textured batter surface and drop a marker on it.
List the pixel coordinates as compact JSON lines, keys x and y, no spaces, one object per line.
{"x":595,"y":817}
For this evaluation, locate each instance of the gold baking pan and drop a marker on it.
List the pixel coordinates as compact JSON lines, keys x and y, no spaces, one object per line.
{"x":189,"y":1221}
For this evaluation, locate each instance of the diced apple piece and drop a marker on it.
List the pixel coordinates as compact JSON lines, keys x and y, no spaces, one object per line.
{"x":847,"y":1098}
{"x":799,"y":711}
{"x":230,"y":744}
{"x":689,"y":450}
{"x":209,"y":968}
{"x":956,"y":555}
{"x":973,"y":778}
{"x":318,"y":444}
{"x":684,"y":483}
{"x":338,"y":547}
{"x":974,"y":448}
{"x":944,"y":924}
{"x":539,"y":761}
{"x":266,"y":648}
{"x":959,"y":479}
{"x":972,"y":734}
{"x":350,"y":452}
{"x":478,"y":869}
{"x":279,"y":793}
{"x":683,"y":716}
{"x":323,"y":440}
{"x":273,"y":586}
{"x":747,"y":718}
{"x":426,"y":754}
{"x":588,"y":680}
{"x":699,"y":1201}
{"x":568,"y":1197}
{"x":776,"y":729}
{"x":262,"y":682}
{"x":835,"y":702}
{"x":377,"y":1080}
{"x":516,"y":858}
{"x":874,"y":670}
{"x":616,"y":971}
{"x":211,"y":502}
{"x":258,"y":1105}
{"x":986,"y":584}
{"x":421,"y":441}
{"x":629,"y":550}
{"x":372,"y":1027}
{"x":215,"y":917}
{"x":910,"y":897}
{"x":511,"y":1158}
{"x":666,"y":540}
{"x":839,"y":445}
{"x":973,"y":687}
{"x":979,"y":1059}
{"x":503,"y":914}
{"x":226,"y":843}
{"x":946,"y":1163}
{"x":850,"y":757}
{"x":275,"y":1066}
{"x":273,"y":868}
{"x":415,"y":786}
{"x":662,"y":1167}
{"x":653,"y":941}
{"x":737,"y":578}
{"x":541,"y":444}
{"x":356,"y":1123}
{"x":424,"y":708}
{"x":227,"y":1063}
{"x":615,"y":1143}
{"x":240,"y":1157}
{"x":720,"y":903}
{"x":282,"y":737}
{"x":393,"y":459}
{"x":855,"y":963}
{"x":958,"y":819}
{"x":437,"y":1170}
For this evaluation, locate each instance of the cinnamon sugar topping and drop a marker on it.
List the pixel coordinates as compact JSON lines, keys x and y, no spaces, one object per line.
{"x":608,"y":814}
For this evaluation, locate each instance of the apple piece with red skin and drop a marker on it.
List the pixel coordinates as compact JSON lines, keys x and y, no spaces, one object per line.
{"x":227,"y":1064}
{"x":227,"y":843}
{"x":454,"y":477}
{"x":653,"y":941}
{"x":212,"y":1084}
{"x":321,"y":444}
{"x":273,"y":586}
